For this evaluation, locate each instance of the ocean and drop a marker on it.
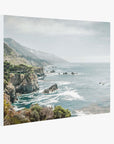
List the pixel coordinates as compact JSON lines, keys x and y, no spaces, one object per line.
{"x":85,"y":92}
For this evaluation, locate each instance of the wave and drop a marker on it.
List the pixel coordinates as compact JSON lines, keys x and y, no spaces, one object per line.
{"x":71,"y":95}
{"x":48,"y":102}
{"x":107,"y":84}
{"x":18,"y":109}
{"x":82,"y":113}
{"x":63,"y":83}
{"x":51,"y":74}
{"x":92,"y":109}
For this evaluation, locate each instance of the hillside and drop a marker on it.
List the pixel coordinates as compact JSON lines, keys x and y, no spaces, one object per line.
{"x":24,"y":52}
{"x":9,"y":51}
{"x":34,"y":57}
{"x":51,"y":58}
{"x":11,"y":56}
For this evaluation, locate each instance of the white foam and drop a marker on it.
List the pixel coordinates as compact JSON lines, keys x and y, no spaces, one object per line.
{"x":71,"y":95}
{"x":49,"y":101}
{"x":51,"y":74}
{"x":107,"y":84}
{"x":45,"y":97}
{"x":63,"y":83}
{"x":81,"y":113}
{"x":17,"y":109}
{"x":50,"y":106}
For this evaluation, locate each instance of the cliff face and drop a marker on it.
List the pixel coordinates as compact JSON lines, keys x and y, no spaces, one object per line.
{"x":27,"y":83}
{"x":20,"y":79}
{"x":39,"y":71}
{"x":10,"y":90}
{"x":21,"y":84}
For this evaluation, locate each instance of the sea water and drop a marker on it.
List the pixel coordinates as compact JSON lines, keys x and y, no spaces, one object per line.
{"x":87,"y":89}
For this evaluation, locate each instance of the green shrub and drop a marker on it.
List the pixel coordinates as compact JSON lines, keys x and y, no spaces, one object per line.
{"x":7,"y":68}
{"x":15,"y":118}
{"x":35,"y":112}
{"x":34,"y":116}
{"x":7,"y":106}
{"x":5,"y":84}
{"x":36,"y":107}
{"x":60,"y":112}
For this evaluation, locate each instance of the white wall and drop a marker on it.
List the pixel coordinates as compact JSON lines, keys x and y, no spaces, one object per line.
{"x":97,"y":129}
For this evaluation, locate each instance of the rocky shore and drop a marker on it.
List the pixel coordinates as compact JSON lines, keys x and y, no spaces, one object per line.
{"x":34,"y":113}
{"x":23,"y":79}
{"x":20,"y":80}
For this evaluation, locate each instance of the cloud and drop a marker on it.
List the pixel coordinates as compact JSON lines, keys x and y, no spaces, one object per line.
{"x":73,"y":39}
{"x":49,"y":27}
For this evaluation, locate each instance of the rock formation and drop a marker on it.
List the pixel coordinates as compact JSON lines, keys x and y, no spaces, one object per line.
{"x":22,"y":84}
{"x":51,"y":89}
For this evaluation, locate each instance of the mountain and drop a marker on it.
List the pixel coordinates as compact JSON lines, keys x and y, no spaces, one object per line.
{"x":12,"y":56}
{"x":34,"y":57}
{"x":51,"y":58}
{"x":25,"y":53}
{"x":9,"y":51}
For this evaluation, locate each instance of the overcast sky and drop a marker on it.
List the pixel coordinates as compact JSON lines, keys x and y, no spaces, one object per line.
{"x":73,"y":40}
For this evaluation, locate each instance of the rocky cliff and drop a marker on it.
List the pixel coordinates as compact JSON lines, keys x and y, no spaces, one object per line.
{"x":21,"y":84}
{"x":24,"y":83}
{"x":20,"y":79}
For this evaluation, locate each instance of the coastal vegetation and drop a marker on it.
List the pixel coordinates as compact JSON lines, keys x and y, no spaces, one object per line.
{"x":34,"y":113}
{"x":60,"y":112}
{"x":15,"y":69}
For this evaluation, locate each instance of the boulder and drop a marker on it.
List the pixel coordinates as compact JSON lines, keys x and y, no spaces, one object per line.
{"x":65,"y":73}
{"x":51,"y":89}
{"x":52,"y":71}
{"x":72,"y":73}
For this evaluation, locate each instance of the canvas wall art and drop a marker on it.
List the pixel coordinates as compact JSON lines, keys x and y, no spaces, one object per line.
{"x":54,"y":68}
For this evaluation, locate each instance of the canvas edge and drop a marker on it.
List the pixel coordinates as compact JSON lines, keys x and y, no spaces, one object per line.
{"x":1,"y":68}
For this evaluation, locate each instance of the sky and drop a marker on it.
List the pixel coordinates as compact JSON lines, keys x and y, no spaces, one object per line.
{"x":73,"y":40}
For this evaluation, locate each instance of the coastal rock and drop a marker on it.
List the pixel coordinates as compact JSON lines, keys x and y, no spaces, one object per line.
{"x":65,"y":73}
{"x":101,"y":83}
{"x":52,"y":71}
{"x":39,"y":71}
{"x":51,"y":89}
{"x":28,"y":85}
{"x":72,"y":73}
{"x":16,"y":79}
{"x":10,"y":90}
{"x":21,"y":84}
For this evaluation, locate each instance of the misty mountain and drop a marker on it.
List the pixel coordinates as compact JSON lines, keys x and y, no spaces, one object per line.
{"x":25,"y":53}
{"x":9,"y":51}
{"x":51,"y":58}
{"x":34,"y":57}
{"x":13,"y":57}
